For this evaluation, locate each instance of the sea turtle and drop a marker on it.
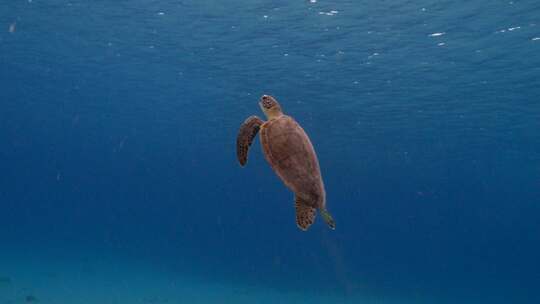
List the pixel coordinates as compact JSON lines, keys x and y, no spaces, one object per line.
{"x":289,"y":152}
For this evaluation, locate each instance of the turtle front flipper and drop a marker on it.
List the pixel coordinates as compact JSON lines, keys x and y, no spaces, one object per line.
{"x":246,"y":134}
{"x":305,"y":214}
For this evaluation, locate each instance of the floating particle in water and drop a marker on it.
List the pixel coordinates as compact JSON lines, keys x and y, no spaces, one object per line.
{"x":535,"y":38}
{"x":312,"y":1}
{"x":161,"y":13}
{"x":265,"y":16}
{"x":441,"y":44}
{"x":12,"y":27}
{"x":437,"y":34}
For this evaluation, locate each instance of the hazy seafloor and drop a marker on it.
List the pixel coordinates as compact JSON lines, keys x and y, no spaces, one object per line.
{"x":82,"y":276}
{"x":118,"y":175}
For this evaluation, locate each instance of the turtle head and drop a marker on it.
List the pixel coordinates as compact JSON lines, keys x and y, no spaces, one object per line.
{"x":270,"y":107}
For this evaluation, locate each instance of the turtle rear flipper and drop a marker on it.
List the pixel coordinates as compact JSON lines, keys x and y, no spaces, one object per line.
{"x":328,"y":219}
{"x":305,"y":214}
{"x":246,"y":134}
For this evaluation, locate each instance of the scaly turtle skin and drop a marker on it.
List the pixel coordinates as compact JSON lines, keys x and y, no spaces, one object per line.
{"x":289,"y":152}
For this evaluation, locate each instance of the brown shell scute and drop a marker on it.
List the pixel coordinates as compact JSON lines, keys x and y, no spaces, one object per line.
{"x":289,"y":152}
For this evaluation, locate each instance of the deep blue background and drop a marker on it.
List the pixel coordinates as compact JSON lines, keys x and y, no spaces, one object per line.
{"x":118,"y":122}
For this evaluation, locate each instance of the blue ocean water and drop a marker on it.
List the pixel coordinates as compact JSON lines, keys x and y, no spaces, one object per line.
{"x":119,"y":181}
